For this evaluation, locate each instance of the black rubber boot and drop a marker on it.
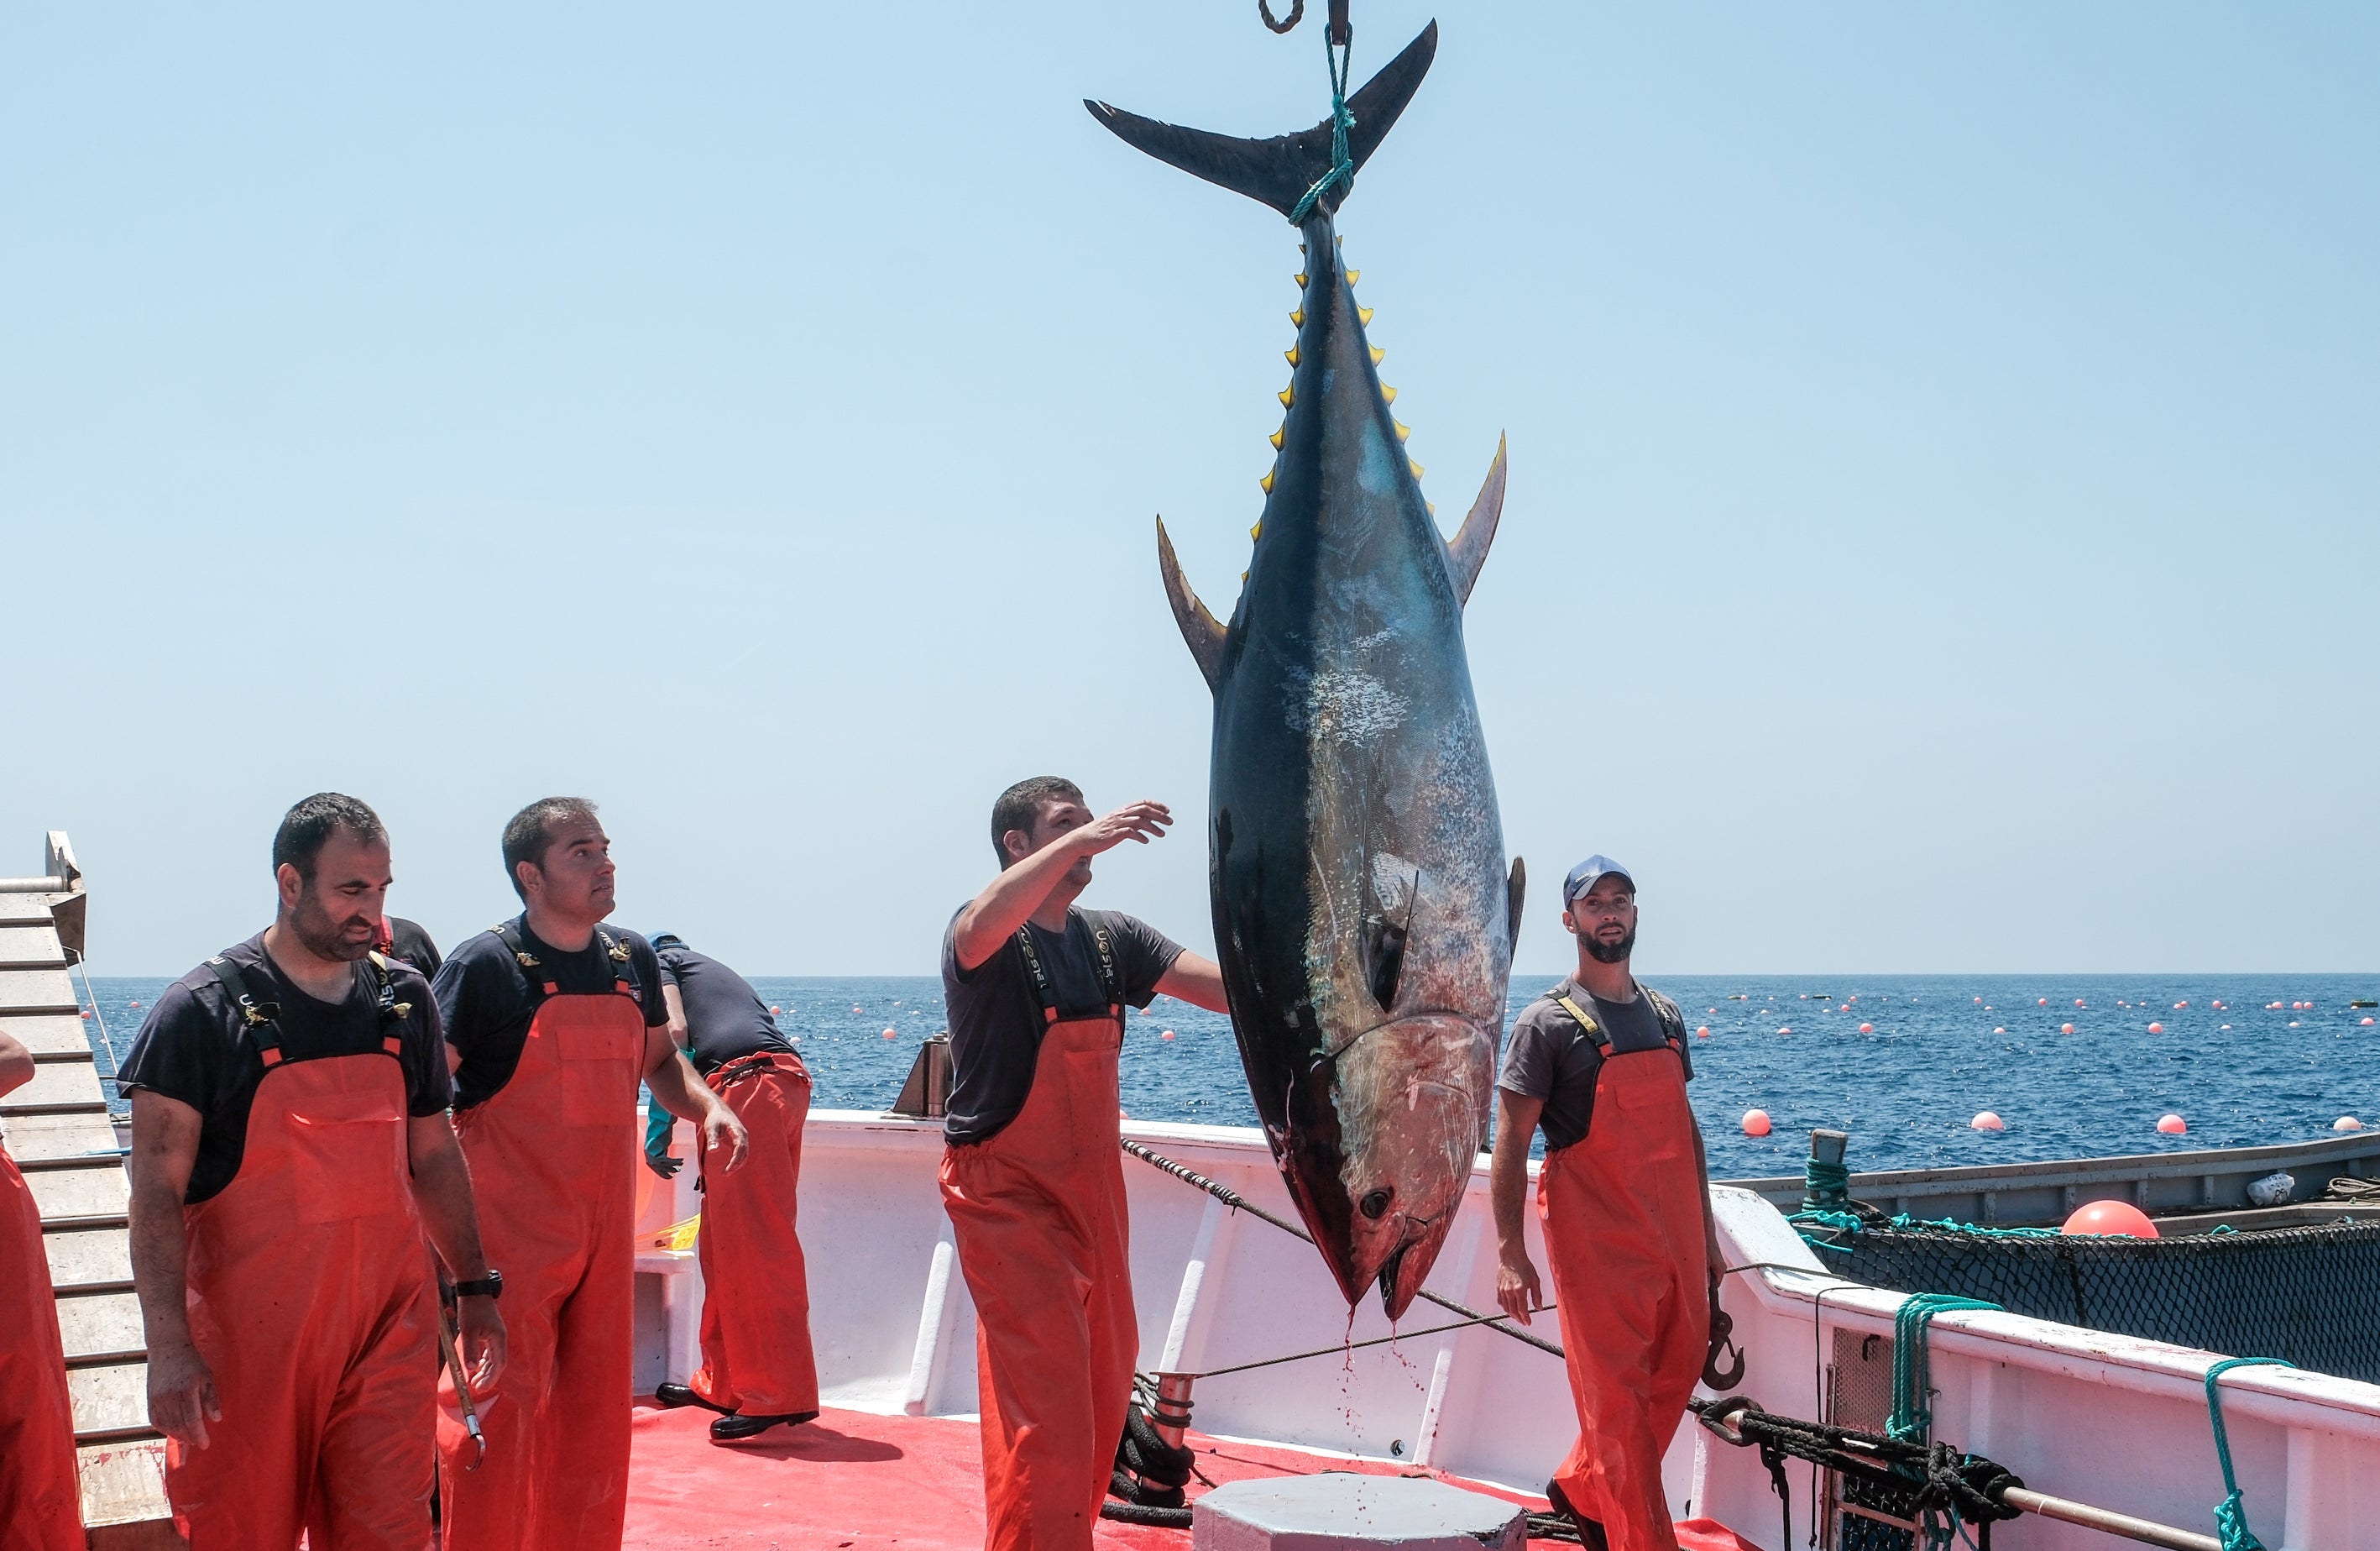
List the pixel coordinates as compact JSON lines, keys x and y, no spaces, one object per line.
{"x":1590,"y":1530}
{"x":676,"y":1395}
{"x":734,"y":1425}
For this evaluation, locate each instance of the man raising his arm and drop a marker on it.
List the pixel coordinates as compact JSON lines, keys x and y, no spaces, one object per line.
{"x":1033,"y":1177}
{"x":289,"y":1146}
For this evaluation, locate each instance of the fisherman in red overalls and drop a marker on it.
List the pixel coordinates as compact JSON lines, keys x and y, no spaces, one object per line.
{"x":41,"y":1501}
{"x":289,"y":1148}
{"x":551,"y":1021}
{"x":1601,"y":1063}
{"x":1033,"y":1178}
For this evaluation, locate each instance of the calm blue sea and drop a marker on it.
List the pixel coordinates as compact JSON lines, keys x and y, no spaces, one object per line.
{"x":1939,"y":1049}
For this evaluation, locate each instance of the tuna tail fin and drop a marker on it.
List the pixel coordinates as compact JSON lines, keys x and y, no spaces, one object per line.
{"x":1279,"y":171}
{"x":1199,"y":632}
{"x":1469,"y":550}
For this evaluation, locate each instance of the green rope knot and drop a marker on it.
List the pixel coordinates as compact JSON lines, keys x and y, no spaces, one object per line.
{"x":1912,"y":1413}
{"x":1342,"y":166}
{"x":2230,"y":1519}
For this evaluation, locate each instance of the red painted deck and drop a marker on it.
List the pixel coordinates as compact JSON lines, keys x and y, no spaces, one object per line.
{"x":853,"y":1480}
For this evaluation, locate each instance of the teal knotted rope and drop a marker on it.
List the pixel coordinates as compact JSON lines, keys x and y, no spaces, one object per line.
{"x":1912,"y":1413}
{"x":2230,"y":1519}
{"x":1342,"y":166}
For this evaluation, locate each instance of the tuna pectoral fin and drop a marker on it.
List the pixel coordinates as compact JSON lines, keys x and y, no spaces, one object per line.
{"x":1198,"y":628}
{"x":1515,"y":887}
{"x":1469,"y":550}
{"x":1279,"y":171}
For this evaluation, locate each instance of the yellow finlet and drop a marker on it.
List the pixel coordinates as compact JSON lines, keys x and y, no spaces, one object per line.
{"x":1289,"y":396}
{"x":1266,"y":485}
{"x":1292,"y":354}
{"x":1257,"y":532}
{"x":1276,"y":437}
{"x":1354,"y":275}
{"x":1301,"y":247}
{"x":1299,"y":277}
{"x":1416,"y":467}
{"x":1403,"y":431}
{"x":1364,"y":317}
{"x":1378,"y":354}
{"x":1432,"y":506}
{"x":1297,"y":319}
{"x":1388,"y":393}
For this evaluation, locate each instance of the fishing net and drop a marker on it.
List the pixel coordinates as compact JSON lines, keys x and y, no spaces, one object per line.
{"x":2298,"y":1293}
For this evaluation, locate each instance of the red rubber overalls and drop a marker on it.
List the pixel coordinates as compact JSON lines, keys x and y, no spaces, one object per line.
{"x":553,"y":1156}
{"x":1039,"y":1212}
{"x":41,"y":1501}
{"x":756,"y":1306}
{"x":1623,"y":1217}
{"x":310,"y":1298}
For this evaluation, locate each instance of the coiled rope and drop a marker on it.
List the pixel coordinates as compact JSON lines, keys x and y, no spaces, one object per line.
{"x":1336,"y":58}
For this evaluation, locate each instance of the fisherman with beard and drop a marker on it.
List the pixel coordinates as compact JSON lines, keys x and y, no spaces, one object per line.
{"x":1600,"y":1063}
{"x":290,"y":1146}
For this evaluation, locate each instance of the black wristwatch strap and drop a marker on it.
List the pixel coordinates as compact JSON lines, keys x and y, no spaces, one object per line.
{"x":490,"y":1286}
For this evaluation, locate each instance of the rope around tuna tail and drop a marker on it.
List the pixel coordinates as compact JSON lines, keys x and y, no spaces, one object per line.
{"x":1338,"y":59}
{"x":2230,"y":1519}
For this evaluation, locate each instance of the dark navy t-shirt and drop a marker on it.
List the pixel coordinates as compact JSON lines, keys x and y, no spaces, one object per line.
{"x":195,"y":1047}
{"x":996,"y":1015}
{"x":409,"y":942}
{"x":487,"y":1002}
{"x":725,"y":1019}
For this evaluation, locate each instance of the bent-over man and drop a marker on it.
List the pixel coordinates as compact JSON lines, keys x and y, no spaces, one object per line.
{"x":757,"y":1369}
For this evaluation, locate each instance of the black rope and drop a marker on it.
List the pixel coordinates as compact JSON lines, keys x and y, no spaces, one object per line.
{"x":1949,"y":1489}
{"x":1238,"y":1203}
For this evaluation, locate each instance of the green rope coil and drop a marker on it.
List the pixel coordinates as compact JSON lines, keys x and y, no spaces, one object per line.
{"x":1912,"y":1413}
{"x":1342,"y":166}
{"x":2230,"y":1519}
{"x":1825,"y":1181}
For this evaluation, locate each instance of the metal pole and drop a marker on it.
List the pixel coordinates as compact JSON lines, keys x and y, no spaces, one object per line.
{"x":2106,"y":1521}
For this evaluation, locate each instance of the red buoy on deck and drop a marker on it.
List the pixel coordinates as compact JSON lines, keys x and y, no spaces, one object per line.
{"x":2111,"y":1218}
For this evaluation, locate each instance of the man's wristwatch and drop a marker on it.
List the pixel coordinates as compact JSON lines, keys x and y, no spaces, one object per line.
{"x":490,"y":1286}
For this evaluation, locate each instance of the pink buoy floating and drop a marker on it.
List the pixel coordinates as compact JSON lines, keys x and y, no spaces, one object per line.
{"x":1999,"y":1030}
{"x":1755,"y":1122}
{"x":2366,"y":1023}
{"x":2157,"y":1028}
{"x":1702,"y":1032}
{"x":2347,"y":1123}
{"x":2173,"y":1125}
{"x":889,"y":1034}
{"x":2111,"y":1218}
{"x":1988,"y":1121}
{"x":2066,"y":1028}
{"x":1167,"y":1033}
{"x":1867,"y":1028}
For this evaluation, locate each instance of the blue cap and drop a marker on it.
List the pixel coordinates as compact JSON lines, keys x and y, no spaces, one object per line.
{"x":1582,"y":877}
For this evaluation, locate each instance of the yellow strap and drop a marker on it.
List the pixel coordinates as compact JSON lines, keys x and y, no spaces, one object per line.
{"x":1585,"y":1022}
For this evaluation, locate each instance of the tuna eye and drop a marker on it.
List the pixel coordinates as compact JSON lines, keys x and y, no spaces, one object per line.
{"x":1373,"y":1204}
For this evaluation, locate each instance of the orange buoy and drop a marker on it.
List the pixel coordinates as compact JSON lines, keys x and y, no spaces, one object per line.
{"x":2066,"y":1028}
{"x":1786,"y":1030}
{"x":2366,"y":1023}
{"x":1999,"y":1030}
{"x":1755,"y":1122}
{"x":889,"y":1035}
{"x":2044,"y":1002}
{"x":774,"y":1012}
{"x":2157,"y":1028}
{"x":86,"y":1012}
{"x":855,"y":1007}
{"x":1988,"y":1121}
{"x":2173,"y":1125}
{"x":2111,"y":1219}
{"x":1704,"y":1032}
{"x":2347,"y":1123}
{"x":1867,"y":1028}
{"x":136,"y":1004}
{"x":2078,"y":1001}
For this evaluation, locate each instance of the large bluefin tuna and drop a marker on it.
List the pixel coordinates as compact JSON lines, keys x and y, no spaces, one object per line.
{"x":1363,"y":914}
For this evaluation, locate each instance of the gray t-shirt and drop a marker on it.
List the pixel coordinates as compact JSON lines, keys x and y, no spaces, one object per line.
{"x":1550,"y":1057}
{"x":996,"y":1014}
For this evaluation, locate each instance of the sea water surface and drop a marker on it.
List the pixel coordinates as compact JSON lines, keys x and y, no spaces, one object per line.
{"x":1901,"y":1062}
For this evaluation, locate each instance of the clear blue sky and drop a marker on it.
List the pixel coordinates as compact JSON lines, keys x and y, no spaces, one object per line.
{"x":1945,"y":506}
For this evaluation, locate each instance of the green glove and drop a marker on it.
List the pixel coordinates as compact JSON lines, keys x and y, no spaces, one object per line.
{"x":659,"y":1124}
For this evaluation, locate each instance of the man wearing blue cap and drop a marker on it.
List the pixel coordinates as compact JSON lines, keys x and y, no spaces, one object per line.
{"x":1600,"y":1063}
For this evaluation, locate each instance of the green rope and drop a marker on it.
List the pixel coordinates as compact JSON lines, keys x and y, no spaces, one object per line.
{"x":2230,"y":1519}
{"x":1912,"y":1413}
{"x":1825,"y":1181}
{"x":1342,"y":166}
